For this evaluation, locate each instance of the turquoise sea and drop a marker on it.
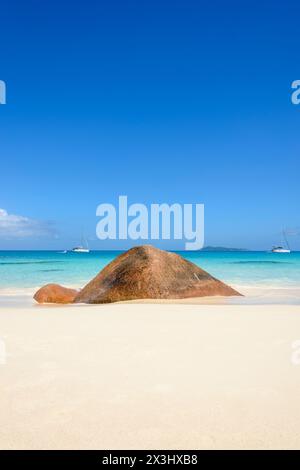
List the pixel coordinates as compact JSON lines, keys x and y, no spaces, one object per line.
{"x":30,"y":269}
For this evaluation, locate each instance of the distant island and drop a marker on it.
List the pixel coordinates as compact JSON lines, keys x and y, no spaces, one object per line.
{"x":222,"y":248}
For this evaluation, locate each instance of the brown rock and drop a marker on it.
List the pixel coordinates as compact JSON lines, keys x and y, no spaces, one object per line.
{"x":146,"y":272}
{"x":55,"y":294}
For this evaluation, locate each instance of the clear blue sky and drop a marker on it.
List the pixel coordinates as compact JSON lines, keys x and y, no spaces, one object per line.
{"x":180,"y":101}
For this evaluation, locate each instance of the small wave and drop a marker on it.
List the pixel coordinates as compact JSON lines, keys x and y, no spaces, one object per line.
{"x":49,"y":270}
{"x":258,"y":262}
{"x":18,"y":291}
{"x":30,"y":262}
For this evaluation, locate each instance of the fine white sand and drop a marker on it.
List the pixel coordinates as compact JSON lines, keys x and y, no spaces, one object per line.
{"x":149,"y":376}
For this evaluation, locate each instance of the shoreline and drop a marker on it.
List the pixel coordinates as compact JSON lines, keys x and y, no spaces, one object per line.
{"x":251,"y":294}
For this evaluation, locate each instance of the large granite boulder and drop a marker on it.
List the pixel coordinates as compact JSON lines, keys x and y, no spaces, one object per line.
{"x":54,"y":293}
{"x":145,"y":272}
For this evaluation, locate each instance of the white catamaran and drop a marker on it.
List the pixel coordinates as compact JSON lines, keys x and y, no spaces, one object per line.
{"x":83,"y":248}
{"x":281,"y":249}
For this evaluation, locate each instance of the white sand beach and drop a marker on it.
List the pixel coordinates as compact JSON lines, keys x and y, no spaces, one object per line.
{"x":149,"y":376}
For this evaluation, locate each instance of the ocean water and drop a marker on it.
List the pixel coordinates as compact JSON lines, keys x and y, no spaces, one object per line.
{"x":21,"y":270}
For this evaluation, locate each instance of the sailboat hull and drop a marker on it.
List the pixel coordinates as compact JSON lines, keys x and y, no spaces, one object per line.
{"x":80,"y":250}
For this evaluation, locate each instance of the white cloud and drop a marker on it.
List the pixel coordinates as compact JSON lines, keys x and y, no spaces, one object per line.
{"x":18,"y":226}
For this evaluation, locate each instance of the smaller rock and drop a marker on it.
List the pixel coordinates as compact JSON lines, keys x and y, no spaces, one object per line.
{"x":55,"y":294}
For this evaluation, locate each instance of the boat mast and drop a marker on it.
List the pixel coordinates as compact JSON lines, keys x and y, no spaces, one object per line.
{"x":84,"y":242}
{"x":285,"y":239}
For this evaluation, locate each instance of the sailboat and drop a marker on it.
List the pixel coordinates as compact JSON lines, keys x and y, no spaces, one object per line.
{"x":281,"y":249}
{"x":83,"y":247}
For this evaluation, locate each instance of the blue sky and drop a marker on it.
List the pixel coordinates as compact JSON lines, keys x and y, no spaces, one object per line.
{"x":182,"y":101}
